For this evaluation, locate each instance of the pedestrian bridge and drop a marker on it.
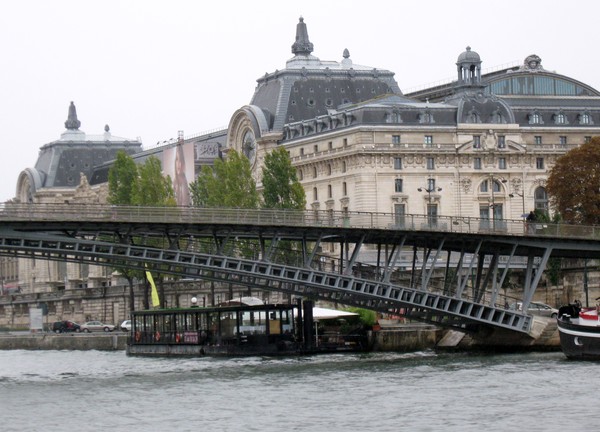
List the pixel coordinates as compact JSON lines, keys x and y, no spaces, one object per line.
{"x":453,"y":278}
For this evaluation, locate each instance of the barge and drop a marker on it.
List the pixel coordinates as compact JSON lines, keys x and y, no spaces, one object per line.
{"x":237,"y":330}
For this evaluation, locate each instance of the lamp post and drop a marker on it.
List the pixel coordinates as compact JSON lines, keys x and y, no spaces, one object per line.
{"x":429,"y":189}
{"x":522,"y":195}
{"x":493,"y":205}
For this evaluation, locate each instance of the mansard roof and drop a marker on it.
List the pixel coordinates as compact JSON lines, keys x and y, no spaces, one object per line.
{"x":60,"y":163}
{"x":309,"y":87}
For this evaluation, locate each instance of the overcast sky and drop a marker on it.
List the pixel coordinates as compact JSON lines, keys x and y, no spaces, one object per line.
{"x":151,"y":68}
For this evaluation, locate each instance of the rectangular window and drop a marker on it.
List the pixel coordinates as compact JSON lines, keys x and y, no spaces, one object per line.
{"x":302,"y":152}
{"x":477,"y":163}
{"x":330,"y":145}
{"x":587,"y":139}
{"x":476,"y":141}
{"x":501,"y":141}
{"x":399,"y":214}
{"x":539,"y":163}
{"x":329,"y":191}
{"x":398,"y":163}
{"x":429,"y":140}
{"x":538,"y":140}
{"x":398,"y":185}
{"x":431,"y":184}
{"x":345,"y":188}
{"x":316,"y":148}
{"x":315,"y":195}
{"x":430,"y":163}
{"x":396,"y":139}
{"x":345,"y":142}
{"x":502,"y":163}
{"x":563,"y":140}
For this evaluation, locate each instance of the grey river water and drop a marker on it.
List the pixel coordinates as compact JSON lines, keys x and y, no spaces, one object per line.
{"x":426,"y":391}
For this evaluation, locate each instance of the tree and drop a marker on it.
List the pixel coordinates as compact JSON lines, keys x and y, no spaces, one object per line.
{"x":281,"y":188}
{"x":228,"y":183}
{"x":122,"y":178}
{"x":574,"y":184}
{"x":151,"y":187}
{"x":144,"y":185}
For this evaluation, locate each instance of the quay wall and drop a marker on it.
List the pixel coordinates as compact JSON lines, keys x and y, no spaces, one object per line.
{"x":51,"y":341}
{"x":399,"y":338}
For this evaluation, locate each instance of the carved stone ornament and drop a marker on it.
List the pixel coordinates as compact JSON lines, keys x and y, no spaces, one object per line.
{"x":533,"y":63}
{"x":466,"y":185}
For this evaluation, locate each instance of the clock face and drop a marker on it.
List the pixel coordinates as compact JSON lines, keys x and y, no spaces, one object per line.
{"x":249,"y":146}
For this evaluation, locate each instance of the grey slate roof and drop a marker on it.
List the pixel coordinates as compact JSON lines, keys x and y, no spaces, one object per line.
{"x":61,"y":162}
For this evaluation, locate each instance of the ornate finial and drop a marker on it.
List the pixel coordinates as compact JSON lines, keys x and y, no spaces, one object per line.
{"x":302,"y":46}
{"x":346,"y":53}
{"x":468,"y":48}
{"x":72,"y":122}
{"x":106,"y":128}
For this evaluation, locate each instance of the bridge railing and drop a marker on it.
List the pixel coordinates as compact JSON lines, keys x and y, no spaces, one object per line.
{"x":274,"y":217}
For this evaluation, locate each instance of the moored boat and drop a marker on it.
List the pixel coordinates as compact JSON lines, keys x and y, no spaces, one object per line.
{"x":579,"y":331}
{"x":234,"y":329}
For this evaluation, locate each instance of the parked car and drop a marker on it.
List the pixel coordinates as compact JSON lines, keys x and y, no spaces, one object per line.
{"x":91,"y":326}
{"x":126,"y":325}
{"x":539,"y":309}
{"x":65,"y":327}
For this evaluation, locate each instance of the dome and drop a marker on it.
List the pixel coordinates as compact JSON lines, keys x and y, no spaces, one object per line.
{"x":469,"y":57}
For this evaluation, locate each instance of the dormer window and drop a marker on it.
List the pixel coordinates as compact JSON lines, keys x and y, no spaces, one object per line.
{"x":560,"y":118}
{"x":425,"y":117}
{"x":585,"y":119}
{"x":535,"y":118}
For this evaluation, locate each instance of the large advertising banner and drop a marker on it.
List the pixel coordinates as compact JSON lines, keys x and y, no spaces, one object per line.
{"x":178,"y":163}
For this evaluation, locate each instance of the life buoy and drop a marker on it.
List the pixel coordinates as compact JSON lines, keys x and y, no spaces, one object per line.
{"x":177,"y":337}
{"x":157,"y":336}
{"x":138,"y":336}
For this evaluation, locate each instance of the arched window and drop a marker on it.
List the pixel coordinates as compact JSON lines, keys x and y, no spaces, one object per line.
{"x":484,"y":186}
{"x":329,"y":191}
{"x":300,"y":175}
{"x":328,"y":169}
{"x":314,"y":172}
{"x":315,"y":194}
{"x":540,"y":197}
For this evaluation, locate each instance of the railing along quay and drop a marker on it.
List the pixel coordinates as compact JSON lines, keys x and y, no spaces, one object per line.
{"x":293,"y":218}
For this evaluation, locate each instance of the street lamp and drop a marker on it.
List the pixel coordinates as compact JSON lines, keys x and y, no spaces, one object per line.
{"x":522,"y":195}
{"x":493,"y":205}
{"x":431,"y":214}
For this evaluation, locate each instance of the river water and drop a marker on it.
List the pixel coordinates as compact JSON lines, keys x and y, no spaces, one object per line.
{"x":425,"y":391}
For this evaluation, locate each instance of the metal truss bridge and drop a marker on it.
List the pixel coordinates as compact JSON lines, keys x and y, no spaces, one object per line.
{"x":386,"y":263}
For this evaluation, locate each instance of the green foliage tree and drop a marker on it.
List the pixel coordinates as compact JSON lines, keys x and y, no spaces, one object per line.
{"x":281,"y":188}
{"x":122,"y":178}
{"x":144,"y":185}
{"x":228,"y":183}
{"x":151,"y":187}
{"x":573,"y":184}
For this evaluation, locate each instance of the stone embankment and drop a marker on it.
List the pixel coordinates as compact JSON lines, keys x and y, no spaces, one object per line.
{"x":393,"y":336}
{"x":64,"y":341}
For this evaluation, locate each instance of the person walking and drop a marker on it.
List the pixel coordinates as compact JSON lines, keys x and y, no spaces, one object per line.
{"x":531,"y":222}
